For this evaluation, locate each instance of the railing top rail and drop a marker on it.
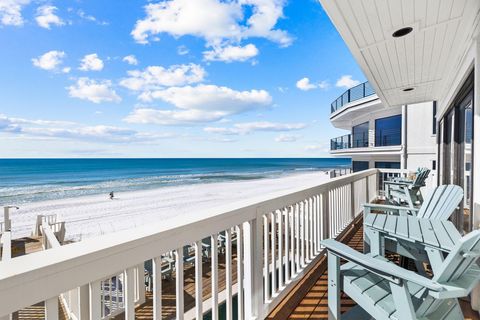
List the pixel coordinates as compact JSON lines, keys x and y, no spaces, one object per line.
{"x":60,"y":269}
{"x":355,"y":93}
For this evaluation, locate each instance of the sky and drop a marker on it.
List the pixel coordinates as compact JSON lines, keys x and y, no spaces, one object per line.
{"x":176,"y":78}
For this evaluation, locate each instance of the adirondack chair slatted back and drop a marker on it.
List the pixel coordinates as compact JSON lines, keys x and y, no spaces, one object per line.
{"x":422,"y":175}
{"x":441,"y":203}
{"x":461,"y":260}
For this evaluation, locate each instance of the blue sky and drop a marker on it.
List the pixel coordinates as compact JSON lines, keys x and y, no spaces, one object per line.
{"x":178,"y":78}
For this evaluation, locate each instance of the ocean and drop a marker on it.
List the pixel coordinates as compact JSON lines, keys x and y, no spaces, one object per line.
{"x":30,"y":180}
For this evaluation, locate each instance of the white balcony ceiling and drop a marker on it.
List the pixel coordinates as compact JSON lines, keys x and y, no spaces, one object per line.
{"x":425,"y":59}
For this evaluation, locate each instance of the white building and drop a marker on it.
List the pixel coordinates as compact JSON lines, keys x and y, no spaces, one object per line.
{"x":398,"y":137}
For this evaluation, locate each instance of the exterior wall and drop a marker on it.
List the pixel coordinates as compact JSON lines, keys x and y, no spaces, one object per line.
{"x":421,"y":144}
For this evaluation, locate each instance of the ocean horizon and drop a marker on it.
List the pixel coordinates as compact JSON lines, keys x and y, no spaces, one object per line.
{"x":32,"y":180}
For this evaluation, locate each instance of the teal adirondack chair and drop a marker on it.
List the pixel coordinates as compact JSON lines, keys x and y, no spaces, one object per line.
{"x":408,"y":191}
{"x":439,"y":205}
{"x":384,"y":290}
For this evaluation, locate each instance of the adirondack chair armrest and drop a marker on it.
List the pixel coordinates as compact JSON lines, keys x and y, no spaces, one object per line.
{"x":398,"y":183}
{"x":386,"y":270}
{"x":368,"y":207}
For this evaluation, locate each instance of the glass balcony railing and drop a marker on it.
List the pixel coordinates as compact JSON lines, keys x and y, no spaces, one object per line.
{"x":358,"y":92}
{"x":349,"y":141}
{"x":339,"y":143}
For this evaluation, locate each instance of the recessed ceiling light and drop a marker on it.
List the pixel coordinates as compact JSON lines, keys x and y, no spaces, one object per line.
{"x":402,"y":32}
{"x":408,"y":89}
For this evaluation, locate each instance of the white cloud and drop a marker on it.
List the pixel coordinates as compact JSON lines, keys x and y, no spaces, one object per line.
{"x":231,"y":53}
{"x":347,"y":82}
{"x":130,"y":59}
{"x":182,"y":50}
{"x":249,"y":127}
{"x":214,"y":20}
{"x":76,"y":131}
{"x":89,"y":17}
{"x":305,"y":85}
{"x":46,"y":17}
{"x":91,"y":62}
{"x":156,"y":77}
{"x":51,"y":61}
{"x":287,"y":138}
{"x":11,"y":12}
{"x":94,"y":91}
{"x":202,"y":103}
{"x":324,"y":84}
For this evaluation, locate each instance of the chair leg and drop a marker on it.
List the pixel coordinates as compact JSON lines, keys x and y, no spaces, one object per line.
{"x":403,"y":301}
{"x":377,"y":245}
{"x":334,"y":298}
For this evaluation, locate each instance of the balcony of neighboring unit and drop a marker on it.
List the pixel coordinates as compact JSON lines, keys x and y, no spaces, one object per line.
{"x":353,"y":103}
{"x":384,"y":141}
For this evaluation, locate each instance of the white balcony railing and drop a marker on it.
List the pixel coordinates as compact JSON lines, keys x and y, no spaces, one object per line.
{"x":277,"y":239}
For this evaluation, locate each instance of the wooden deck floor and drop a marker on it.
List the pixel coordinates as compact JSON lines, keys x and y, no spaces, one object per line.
{"x":309,"y":300}
{"x":145,"y":311}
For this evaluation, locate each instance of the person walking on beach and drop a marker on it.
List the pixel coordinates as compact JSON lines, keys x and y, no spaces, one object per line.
{"x":111,"y":195}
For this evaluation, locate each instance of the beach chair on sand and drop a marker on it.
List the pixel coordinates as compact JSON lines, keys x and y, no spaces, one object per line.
{"x":383,"y":290}
{"x":400,"y":190}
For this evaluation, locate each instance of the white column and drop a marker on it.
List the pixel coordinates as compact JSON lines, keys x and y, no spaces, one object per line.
{"x":403,"y":157}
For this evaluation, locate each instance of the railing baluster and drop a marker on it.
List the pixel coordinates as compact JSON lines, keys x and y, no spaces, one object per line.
{"x":310,"y":221}
{"x":302,"y":234}
{"x":198,"y":280}
{"x":266,"y":258}
{"x":95,"y":300}
{"x":228,"y":273}
{"x":281,"y":282}
{"x":157,"y":288}
{"x":51,"y":309}
{"x":240,"y":300}
{"x":214,"y":240}
{"x":273,"y":236}
{"x":287,"y":244}
{"x":129,"y":293}
{"x":297,"y":237}
{"x":307,"y":229}
{"x":179,"y":283}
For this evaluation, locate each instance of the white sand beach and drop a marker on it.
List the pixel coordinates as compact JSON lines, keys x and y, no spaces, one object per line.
{"x":89,"y":216}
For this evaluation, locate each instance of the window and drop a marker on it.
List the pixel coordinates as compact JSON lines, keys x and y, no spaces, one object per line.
{"x":360,"y":136}
{"x":359,"y":165}
{"x":387,"y":165}
{"x":434,"y":127}
{"x":388,"y":131}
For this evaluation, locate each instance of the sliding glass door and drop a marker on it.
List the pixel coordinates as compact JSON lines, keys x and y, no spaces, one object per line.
{"x":456,"y":144}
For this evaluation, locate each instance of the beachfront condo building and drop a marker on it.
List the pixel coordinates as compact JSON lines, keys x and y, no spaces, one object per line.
{"x":384,"y":137}
{"x":264,"y":257}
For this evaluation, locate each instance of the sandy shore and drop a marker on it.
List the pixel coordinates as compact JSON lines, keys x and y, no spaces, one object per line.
{"x":95,"y":215}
